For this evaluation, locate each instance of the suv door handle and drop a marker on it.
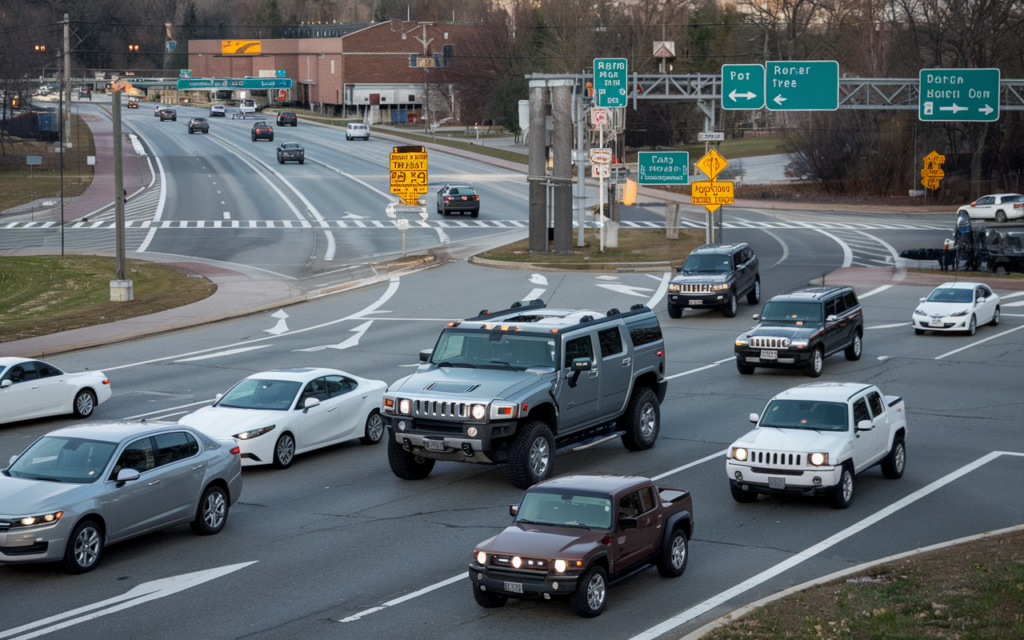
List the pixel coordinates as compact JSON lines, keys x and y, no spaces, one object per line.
{"x":154,"y":482}
{"x":625,"y":362}
{"x":196,"y":468}
{"x":332,"y":408}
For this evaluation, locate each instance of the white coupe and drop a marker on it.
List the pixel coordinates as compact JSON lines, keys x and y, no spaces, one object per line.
{"x":276,"y":414}
{"x":999,"y":207}
{"x":33,"y":389}
{"x":957,"y":306}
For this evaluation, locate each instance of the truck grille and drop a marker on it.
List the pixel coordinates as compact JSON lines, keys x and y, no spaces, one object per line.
{"x":439,"y":409}
{"x":767,"y":342}
{"x":775,"y":458}
{"x":695,"y":288}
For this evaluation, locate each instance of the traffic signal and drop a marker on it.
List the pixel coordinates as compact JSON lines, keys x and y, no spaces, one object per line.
{"x":133,"y":47}
{"x":629,"y":193}
{"x":41,"y":48}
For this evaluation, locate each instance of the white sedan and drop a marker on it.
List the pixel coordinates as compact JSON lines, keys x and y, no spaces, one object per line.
{"x":957,"y":306}
{"x":276,"y":414}
{"x":33,"y":389}
{"x":999,"y":207}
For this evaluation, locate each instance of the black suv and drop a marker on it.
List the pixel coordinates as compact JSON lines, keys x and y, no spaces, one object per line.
{"x":287,"y":118}
{"x":801,"y":329}
{"x":198,"y":124}
{"x":715,"y":276}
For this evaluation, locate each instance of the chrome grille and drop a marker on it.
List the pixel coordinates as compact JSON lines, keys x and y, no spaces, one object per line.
{"x":775,"y":458}
{"x":768,"y":342}
{"x":695,"y":288}
{"x":439,"y":409}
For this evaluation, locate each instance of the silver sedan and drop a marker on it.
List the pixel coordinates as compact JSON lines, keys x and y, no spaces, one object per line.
{"x":78,"y":489}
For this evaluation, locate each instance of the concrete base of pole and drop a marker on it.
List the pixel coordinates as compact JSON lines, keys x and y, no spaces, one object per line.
{"x":121,"y":291}
{"x":611,"y":239}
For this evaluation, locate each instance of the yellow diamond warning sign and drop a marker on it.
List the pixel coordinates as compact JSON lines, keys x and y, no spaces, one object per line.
{"x":712,"y":194}
{"x":712,"y":164}
{"x":409,"y":173}
{"x":932,"y":172}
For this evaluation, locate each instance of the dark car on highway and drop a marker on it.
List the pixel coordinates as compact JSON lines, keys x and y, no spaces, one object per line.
{"x":801,"y":329}
{"x":262,"y":131}
{"x":291,"y":151}
{"x":167,"y":114}
{"x":715,"y":276}
{"x":574,"y":534}
{"x":198,"y":124}
{"x":458,"y":198}
{"x":132,"y":104}
{"x":287,"y":118}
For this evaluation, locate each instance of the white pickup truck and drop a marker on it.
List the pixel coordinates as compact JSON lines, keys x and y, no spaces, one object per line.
{"x":813,"y":439}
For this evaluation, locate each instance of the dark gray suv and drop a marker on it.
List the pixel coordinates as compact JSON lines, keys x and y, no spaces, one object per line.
{"x":715,"y":276}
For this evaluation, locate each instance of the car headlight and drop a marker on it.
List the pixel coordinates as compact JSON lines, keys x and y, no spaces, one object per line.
{"x":255,"y":433}
{"x":742,"y":341}
{"x":503,"y":410}
{"x":479,"y":411}
{"x":673,"y":288}
{"x":739,"y":453}
{"x":481,"y":557}
{"x":960,"y":313}
{"x":560,"y":566}
{"x":517,"y":562}
{"x":818,"y":459}
{"x":31,"y":521}
{"x":722,"y":286}
{"x":405,"y":406}
{"x":799,"y":344}
{"x":918,"y":312}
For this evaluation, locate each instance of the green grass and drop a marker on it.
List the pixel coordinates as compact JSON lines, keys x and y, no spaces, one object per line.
{"x":635,"y":245}
{"x":17,"y":188}
{"x":40,"y":295}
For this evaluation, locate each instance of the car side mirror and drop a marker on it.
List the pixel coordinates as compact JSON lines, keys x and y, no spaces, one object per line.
{"x":127,"y":475}
{"x":627,"y":523}
{"x":754,"y":418}
{"x":982,"y":300}
{"x":218,"y":397}
{"x":581,"y":364}
{"x":5,"y":384}
{"x":309,"y":404}
{"x":756,"y":316}
{"x":11,"y":461}
{"x":974,"y":204}
{"x":924,"y":299}
{"x":425,"y":355}
{"x":513,"y":510}
{"x":865,"y":425}
{"x":831,"y":318}
{"x":679,"y":269}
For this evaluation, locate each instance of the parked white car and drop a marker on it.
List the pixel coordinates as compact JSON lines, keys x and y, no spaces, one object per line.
{"x":813,"y":439}
{"x":34,"y":389}
{"x":999,"y":207}
{"x":957,"y":306}
{"x":275,"y":415}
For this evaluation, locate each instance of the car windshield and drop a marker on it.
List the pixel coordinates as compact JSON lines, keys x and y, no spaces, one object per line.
{"x":256,"y":393}
{"x":798,"y":312}
{"x":708,"y":263}
{"x":61,"y":459}
{"x":200,"y":120}
{"x":555,"y":508}
{"x":494,"y":350}
{"x":805,"y":414}
{"x":290,"y":145}
{"x":951,"y":295}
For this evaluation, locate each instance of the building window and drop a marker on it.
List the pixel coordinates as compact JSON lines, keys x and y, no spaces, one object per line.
{"x":412,"y":60}
{"x":412,"y":98}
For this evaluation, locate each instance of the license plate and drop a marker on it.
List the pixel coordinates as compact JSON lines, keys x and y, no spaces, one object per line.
{"x":696,"y":302}
{"x":777,"y":483}
{"x":514,"y":587}
{"x":936,"y":323}
{"x":769,"y":355}
{"x":434,"y":445}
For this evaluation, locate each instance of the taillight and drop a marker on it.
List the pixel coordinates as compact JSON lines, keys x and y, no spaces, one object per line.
{"x":236,"y":451}
{"x":464,"y":198}
{"x":107,"y":381}
{"x":659,"y":353}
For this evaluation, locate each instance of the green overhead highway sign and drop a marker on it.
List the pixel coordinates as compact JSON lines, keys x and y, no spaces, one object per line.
{"x":742,"y":86}
{"x":234,"y":83}
{"x":807,"y":85}
{"x":663,"y":167}
{"x":964,"y":95}
{"x":610,"y":83}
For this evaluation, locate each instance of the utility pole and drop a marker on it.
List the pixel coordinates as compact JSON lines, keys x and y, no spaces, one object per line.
{"x":67,"y":71}
{"x":120,"y":289}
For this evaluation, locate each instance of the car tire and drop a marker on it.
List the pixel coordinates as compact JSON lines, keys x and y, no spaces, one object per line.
{"x":642,"y":420}
{"x":488,"y":599}
{"x":741,"y":496}
{"x":271,"y":139}
{"x":85,"y":547}
{"x":744,"y":369}
{"x":972,"y":327}
{"x":302,"y":161}
{"x":175,"y":119}
{"x":841,"y":495}
{"x":591,"y":593}
{"x":754,"y":295}
{"x":284,"y":450}
{"x":253,"y":138}
{"x":475,"y":214}
{"x":190,"y":132}
{"x":406,"y":465}
{"x":853,"y":352}
{"x":374,"y":431}
{"x":348,"y":138}
{"x":84,"y":404}
{"x":532,"y":455}
{"x":896,"y":460}
{"x":280,"y":160}
{"x":212,"y":512}
{"x":995,"y":318}
{"x":918,"y":332}
{"x":816,"y":363}
{"x":1001,"y":217}
{"x":675,"y":551}
{"x":674,"y":311}
{"x":729,"y":311}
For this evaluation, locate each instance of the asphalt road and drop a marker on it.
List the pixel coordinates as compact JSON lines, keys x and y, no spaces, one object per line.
{"x":337,"y":536}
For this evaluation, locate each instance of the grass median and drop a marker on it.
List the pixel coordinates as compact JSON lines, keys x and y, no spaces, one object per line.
{"x":20,"y":184}
{"x":635,"y":245}
{"x":40,"y":295}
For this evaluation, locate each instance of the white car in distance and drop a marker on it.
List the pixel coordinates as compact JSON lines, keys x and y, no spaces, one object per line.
{"x":998,"y":206}
{"x":274,"y":415}
{"x":34,"y":389}
{"x":957,"y":306}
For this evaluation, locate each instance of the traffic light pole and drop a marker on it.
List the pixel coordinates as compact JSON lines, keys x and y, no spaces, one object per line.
{"x":120,"y":289}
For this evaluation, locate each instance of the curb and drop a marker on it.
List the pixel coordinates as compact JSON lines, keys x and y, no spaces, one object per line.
{"x":742,"y":611}
{"x":612,"y":267}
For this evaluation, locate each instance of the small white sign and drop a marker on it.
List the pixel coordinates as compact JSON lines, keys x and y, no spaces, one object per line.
{"x":600,"y":116}
{"x":90,"y":160}
{"x":711,"y":136}
{"x":402,"y":224}
{"x":600,"y":171}
{"x":601,"y":155}
{"x":34,"y":161}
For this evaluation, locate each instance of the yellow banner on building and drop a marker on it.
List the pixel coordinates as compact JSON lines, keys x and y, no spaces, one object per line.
{"x":240,"y":47}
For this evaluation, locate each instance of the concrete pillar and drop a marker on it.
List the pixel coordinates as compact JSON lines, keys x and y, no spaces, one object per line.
{"x":561,"y":142}
{"x":537,"y":176}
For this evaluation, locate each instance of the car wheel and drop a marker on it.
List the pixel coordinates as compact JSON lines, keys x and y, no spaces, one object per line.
{"x":85,"y":547}
{"x":271,"y":139}
{"x":918,"y":332}
{"x":84,"y":404}
{"x":374,"y":428}
{"x":841,"y":495}
{"x":280,"y":160}
{"x":190,"y":132}
{"x":284,"y":451}
{"x":532,"y":455}
{"x":816,"y":363}
{"x":730,"y":310}
{"x":642,"y":420}
{"x":972,"y":326}
{"x":754,"y":295}
{"x":744,"y":369}
{"x":1000,"y":217}
{"x":174,"y":119}
{"x":406,"y":465}
{"x":253,"y":138}
{"x":302,"y":161}
{"x":674,"y":554}
{"x":995,"y":318}
{"x":739,"y":495}
{"x":674,"y":311}
{"x":893,"y":464}
{"x":488,"y":599}
{"x":591,"y":592}
{"x":349,"y":138}
{"x":854,"y":350}
{"x":212,"y":514}
{"x":474,"y":214}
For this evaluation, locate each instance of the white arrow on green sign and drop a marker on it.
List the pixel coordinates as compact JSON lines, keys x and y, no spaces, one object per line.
{"x":805,"y":85}
{"x":742,"y":86}
{"x":962,"y":95}
{"x":663,"y":167}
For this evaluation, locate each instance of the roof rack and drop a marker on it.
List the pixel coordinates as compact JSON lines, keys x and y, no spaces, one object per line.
{"x":529,"y":304}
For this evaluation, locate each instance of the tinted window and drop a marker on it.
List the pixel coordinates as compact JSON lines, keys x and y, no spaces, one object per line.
{"x":579,"y":348}
{"x":45,"y":370}
{"x":254,"y":393}
{"x":830,"y":308}
{"x":875,"y":401}
{"x":493,"y":350}
{"x":339,"y":385}
{"x":566,"y":509}
{"x":138,"y":455}
{"x":611,"y":342}
{"x":647,"y":499}
{"x":66,"y":459}
{"x":948,"y":294}
{"x":860,"y":411}
{"x":840,"y":304}
{"x":171,"y":447}
{"x":630,"y":505}
{"x":851,"y":300}
{"x":708,"y":263}
{"x":315,"y":389}
{"x":805,"y":414}
{"x":644,"y":331}
{"x":21,"y":372}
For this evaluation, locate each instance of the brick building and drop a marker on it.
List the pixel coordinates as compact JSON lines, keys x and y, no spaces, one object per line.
{"x":392,"y":71}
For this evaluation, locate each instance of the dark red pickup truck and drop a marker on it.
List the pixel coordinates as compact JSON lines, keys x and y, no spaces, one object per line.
{"x":574,"y":536}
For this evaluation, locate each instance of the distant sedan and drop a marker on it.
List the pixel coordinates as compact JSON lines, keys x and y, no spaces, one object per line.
{"x":218,"y":110}
{"x":957,"y":306}
{"x":34,"y":389}
{"x":168,"y":114}
{"x":276,"y":414}
{"x":287,"y":118}
{"x":78,"y":489}
{"x":289,"y":151}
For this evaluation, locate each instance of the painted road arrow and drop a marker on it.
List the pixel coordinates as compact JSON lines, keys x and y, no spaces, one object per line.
{"x":779,"y":100}
{"x":141,"y":594}
{"x":281,"y":326}
{"x":954,"y":108}
{"x":750,"y":95}
{"x":347,"y":344}
{"x":987,"y":110}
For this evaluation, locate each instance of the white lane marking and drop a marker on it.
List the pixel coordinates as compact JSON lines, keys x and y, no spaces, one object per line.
{"x":392,"y":288}
{"x":1012,"y":295}
{"x":229,"y":352}
{"x":282,"y":324}
{"x":141,"y":594}
{"x":713,"y":456}
{"x":536,"y":293}
{"x":238,"y":154}
{"x":331,"y":247}
{"x":660,"y":293}
{"x":347,"y":344}
{"x":163,"y":189}
{"x":166,"y":409}
{"x":626,"y":289}
{"x":145,"y":243}
{"x":606,"y":277}
{"x":349,"y":214}
{"x":537,"y":278}
{"x":884,"y":287}
{"x":387,"y":196}
{"x":705,"y":367}
{"x":785,"y":247}
{"x":169,"y":415}
{"x":889,"y":326}
{"x":974,"y":344}
{"x":414,"y":594}
{"x":227,"y":214}
{"x":847,"y":252}
{"x":1013,"y":304}
{"x":888,"y":247}
{"x":810,"y":552}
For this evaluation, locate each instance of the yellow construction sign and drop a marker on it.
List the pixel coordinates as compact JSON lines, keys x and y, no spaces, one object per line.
{"x":712,"y":193}
{"x":409,"y":173}
{"x":712,"y":164}
{"x":241,"y":47}
{"x":932,"y":172}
